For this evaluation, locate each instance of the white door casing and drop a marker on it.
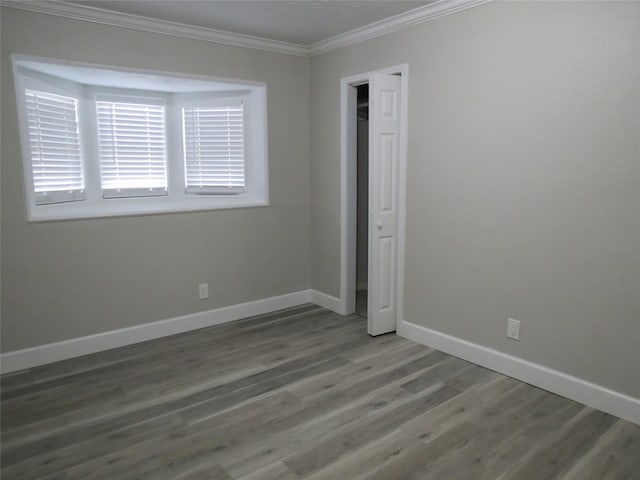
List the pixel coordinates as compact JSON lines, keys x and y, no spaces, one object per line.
{"x":384,"y":161}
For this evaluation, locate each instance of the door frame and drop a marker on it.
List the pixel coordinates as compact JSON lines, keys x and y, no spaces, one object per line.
{"x":348,"y":186}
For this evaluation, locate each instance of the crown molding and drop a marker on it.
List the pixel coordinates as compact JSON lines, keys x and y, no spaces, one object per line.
{"x":431,"y":11}
{"x":434,"y":10}
{"x":137,"y":22}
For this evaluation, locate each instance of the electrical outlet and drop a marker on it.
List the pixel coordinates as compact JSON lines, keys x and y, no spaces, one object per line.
{"x":203,"y":290}
{"x":513,"y":329}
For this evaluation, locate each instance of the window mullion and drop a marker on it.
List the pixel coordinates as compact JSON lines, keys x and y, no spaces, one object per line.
{"x":175,"y":170}
{"x":89,"y":132}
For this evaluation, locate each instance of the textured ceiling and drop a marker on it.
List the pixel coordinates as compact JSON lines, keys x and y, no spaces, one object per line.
{"x":298,"y":22}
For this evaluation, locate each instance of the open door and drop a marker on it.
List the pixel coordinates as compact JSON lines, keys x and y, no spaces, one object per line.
{"x":384,"y":158}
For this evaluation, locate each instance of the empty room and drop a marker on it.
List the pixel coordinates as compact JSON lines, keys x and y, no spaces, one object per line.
{"x":320,"y":240}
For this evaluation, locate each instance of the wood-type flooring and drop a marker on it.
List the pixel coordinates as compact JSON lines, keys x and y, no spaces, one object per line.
{"x":299,"y":394}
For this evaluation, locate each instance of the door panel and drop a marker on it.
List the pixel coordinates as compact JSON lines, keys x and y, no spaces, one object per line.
{"x":386,"y":264}
{"x":386,"y":178}
{"x":384,"y":153}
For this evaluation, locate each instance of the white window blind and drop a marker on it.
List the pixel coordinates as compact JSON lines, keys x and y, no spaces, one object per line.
{"x":214,"y":149}
{"x":54,"y":141}
{"x":131,"y":142}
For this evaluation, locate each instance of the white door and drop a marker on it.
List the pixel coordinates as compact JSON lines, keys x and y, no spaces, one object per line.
{"x":384,"y":157}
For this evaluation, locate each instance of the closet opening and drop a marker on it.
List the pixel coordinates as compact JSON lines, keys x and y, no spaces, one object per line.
{"x":362,"y":201}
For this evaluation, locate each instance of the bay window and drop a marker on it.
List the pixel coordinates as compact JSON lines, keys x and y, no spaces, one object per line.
{"x":99,"y":141}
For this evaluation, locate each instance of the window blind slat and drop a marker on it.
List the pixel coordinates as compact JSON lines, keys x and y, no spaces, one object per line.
{"x":54,"y":121}
{"x":214,"y":149}
{"x":46,"y":141}
{"x":54,"y":141}
{"x":52,"y":107}
{"x":131,"y":141}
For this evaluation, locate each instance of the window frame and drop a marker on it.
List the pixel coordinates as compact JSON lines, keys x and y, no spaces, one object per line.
{"x":213,"y":102}
{"x":37,"y":83}
{"x":158,"y":100}
{"x":253,"y":95}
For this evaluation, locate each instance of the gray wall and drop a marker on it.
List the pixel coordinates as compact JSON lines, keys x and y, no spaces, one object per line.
{"x":72,"y":278}
{"x":523,"y":188}
{"x":523,"y":192}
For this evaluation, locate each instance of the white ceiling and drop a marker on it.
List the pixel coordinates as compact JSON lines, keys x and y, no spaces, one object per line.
{"x":301,"y":22}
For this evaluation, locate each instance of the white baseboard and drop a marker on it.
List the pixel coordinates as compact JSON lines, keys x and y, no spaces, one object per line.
{"x":328,"y":301}
{"x":75,"y":347}
{"x":591,"y":394}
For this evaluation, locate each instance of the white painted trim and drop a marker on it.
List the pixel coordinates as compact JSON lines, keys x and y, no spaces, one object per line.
{"x":583,"y":391}
{"x":87,"y":13}
{"x":328,"y":301}
{"x":348,"y":189}
{"x":431,"y":11}
{"x":75,"y":347}
{"x":402,"y":192}
{"x":146,"y":24}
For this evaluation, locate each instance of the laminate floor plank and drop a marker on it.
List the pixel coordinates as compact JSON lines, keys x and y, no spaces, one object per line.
{"x":216,"y":436}
{"x":164,"y":374}
{"x":263,"y":356}
{"x":487,"y":453}
{"x":616,"y":456}
{"x":426,"y":426}
{"x":418,"y":460}
{"x":298,"y":394}
{"x":181,"y":354}
{"x":129,"y":405}
{"x":60,"y":457}
{"x":439,"y":373}
{"x":470,"y":376}
{"x":188,"y":381}
{"x":283,"y":438}
{"x":556,"y":457}
{"x":217,"y":399}
{"x":327,"y":414}
{"x":242,"y":382}
{"x":208,"y":472}
{"x":355,"y":372}
{"x":315,"y":457}
{"x":274,"y":471}
{"x":188,"y":341}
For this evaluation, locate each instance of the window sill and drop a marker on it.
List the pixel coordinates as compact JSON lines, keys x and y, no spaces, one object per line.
{"x":123,"y":207}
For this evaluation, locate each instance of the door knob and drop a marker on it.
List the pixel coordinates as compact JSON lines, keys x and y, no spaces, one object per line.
{"x":379,"y":225}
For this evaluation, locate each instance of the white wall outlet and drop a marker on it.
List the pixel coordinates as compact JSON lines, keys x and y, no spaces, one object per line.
{"x":513,"y":329}
{"x":203,"y":290}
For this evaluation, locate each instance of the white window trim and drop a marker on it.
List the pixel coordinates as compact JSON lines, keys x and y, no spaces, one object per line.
{"x":40,"y":84}
{"x":177,"y":200}
{"x":228,"y":101}
{"x":155,"y":100}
